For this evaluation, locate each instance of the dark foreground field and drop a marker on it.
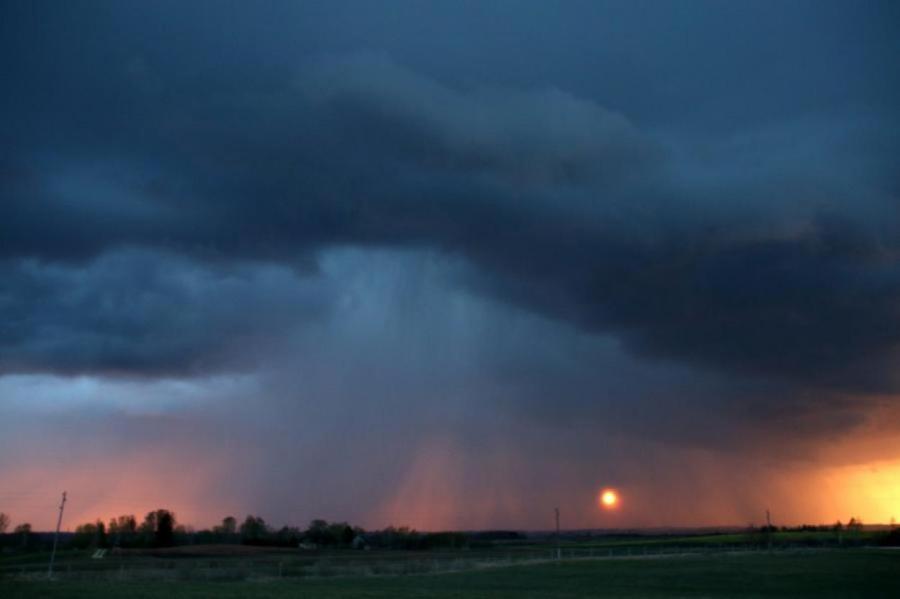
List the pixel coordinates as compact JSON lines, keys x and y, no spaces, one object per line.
{"x":825,"y":573}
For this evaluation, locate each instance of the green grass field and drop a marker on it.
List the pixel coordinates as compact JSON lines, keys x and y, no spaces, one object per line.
{"x":829,"y":573}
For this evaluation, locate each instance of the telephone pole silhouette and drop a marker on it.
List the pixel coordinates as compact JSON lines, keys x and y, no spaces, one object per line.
{"x":558,"y":550}
{"x":62,"y":506}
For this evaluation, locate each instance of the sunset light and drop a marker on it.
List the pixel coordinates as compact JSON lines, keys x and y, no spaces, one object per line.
{"x":609,"y":499}
{"x":298,"y":293}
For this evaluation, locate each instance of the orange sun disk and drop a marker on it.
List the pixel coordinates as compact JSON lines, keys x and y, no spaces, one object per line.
{"x":609,"y":498}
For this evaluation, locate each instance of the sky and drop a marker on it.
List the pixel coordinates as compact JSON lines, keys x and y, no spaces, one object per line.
{"x":450,"y":265}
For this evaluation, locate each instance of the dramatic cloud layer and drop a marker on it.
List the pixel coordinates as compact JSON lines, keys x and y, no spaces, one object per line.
{"x":560,"y":205}
{"x":692,"y":240}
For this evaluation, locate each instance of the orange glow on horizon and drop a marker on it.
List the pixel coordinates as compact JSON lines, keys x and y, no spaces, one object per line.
{"x":444,"y":487}
{"x":128,"y":487}
{"x":867,"y":491}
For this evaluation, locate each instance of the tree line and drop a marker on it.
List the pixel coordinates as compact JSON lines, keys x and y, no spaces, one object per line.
{"x":21,"y":532}
{"x":160,"y":528}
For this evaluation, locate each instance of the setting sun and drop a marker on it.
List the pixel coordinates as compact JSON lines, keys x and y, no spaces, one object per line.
{"x":609,"y":498}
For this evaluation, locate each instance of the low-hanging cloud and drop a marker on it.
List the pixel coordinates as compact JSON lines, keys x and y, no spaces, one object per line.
{"x":150,"y":314}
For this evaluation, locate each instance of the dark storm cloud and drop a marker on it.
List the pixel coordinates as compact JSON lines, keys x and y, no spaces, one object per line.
{"x":458,"y":261}
{"x":139,"y":313}
{"x":772,"y":254}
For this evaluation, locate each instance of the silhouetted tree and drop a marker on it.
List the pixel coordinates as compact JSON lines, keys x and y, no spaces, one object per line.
{"x":100,"y":538}
{"x":92,"y":534}
{"x":158,"y":528}
{"x":24,"y":530}
{"x":347,"y":535}
{"x":339,"y":533}
{"x":253,"y":530}
{"x":84,"y":535}
{"x":4,"y":522}
{"x":122,"y":525}
{"x":321,"y":532}
{"x":229,"y":525}
{"x":317,"y":532}
{"x":148,"y":527}
{"x":122,"y":529}
{"x":287,"y":536}
{"x":165,"y":528}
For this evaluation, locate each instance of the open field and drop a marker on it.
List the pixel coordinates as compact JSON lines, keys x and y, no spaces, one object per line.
{"x":800,"y":563}
{"x":232,"y":562}
{"x":808,"y":573}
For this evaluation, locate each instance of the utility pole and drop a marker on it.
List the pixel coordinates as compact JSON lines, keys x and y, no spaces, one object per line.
{"x":558,"y":550}
{"x":769,"y":529}
{"x":62,"y":506}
